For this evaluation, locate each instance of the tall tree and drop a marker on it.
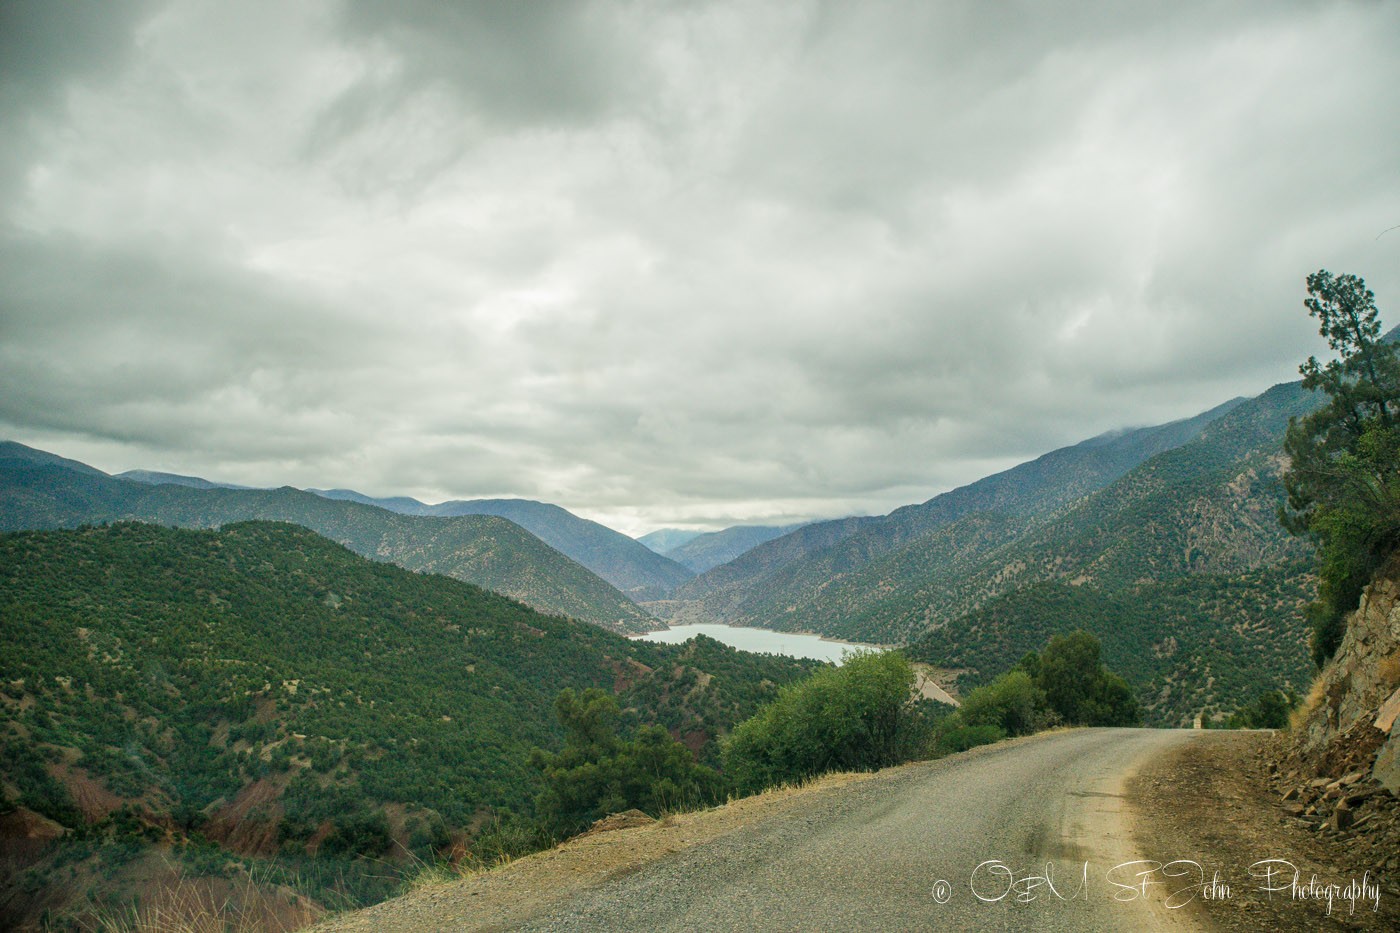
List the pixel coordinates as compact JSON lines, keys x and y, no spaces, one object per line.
{"x":1343,"y":479}
{"x":599,"y":772}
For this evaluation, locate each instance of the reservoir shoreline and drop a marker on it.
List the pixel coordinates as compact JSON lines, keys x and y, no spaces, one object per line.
{"x":761,"y":641}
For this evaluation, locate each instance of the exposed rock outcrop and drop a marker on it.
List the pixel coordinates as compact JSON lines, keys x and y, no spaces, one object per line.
{"x":1339,"y":770}
{"x":1353,"y":722}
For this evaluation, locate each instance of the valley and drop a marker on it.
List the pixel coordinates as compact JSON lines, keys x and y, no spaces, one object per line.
{"x":164,"y":716}
{"x":633,"y":466}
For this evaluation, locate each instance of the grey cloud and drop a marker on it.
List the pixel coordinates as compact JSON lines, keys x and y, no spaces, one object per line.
{"x":681,"y":263}
{"x":44,"y":46}
{"x":46,"y":49}
{"x":160,"y":347}
{"x":510,"y":64}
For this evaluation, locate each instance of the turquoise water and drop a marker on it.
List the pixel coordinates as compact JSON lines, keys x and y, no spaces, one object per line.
{"x":760,"y":640}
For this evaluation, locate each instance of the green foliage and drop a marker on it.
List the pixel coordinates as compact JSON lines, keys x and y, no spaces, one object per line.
{"x":1184,"y":643}
{"x":1063,"y":683}
{"x":958,"y":738}
{"x":1079,"y":688}
{"x":1270,"y":710}
{"x":598,"y":772}
{"x":355,"y":834}
{"x":179,"y":669}
{"x":1011,"y":703}
{"x":860,"y":716}
{"x":1343,"y":480}
{"x":24,"y":768}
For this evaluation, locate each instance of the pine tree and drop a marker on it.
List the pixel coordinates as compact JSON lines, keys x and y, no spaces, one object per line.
{"x":1343,"y":480}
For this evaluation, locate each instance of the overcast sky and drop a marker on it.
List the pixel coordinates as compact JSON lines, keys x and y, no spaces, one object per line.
{"x":683,"y":264}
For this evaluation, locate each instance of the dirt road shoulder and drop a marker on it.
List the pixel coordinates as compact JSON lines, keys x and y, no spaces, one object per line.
{"x":1211,"y":803}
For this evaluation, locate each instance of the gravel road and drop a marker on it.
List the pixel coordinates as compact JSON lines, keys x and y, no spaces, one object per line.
{"x":882,"y":854}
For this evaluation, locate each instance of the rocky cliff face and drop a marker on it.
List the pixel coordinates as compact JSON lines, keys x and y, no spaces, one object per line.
{"x":1353,"y":721}
{"x":1338,"y":771}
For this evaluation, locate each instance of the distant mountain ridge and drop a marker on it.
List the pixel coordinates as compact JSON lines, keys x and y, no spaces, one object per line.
{"x":788,"y":570}
{"x":633,"y":568}
{"x":667,"y":539}
{"x":1162,"y":541}
{"x":707,"y":551}
{"x":41,"y":491}
{"x":19,"y":453}
{"x":156,"y":478}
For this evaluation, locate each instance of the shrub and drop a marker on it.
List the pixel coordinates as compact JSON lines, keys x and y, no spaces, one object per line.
{"x":1011,"y":703}
{"x":599,"y":773}
{"x":961,"y":738}
{"x":860,"y":716}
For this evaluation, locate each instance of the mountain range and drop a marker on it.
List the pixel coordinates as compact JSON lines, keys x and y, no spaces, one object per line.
{"x":760,"y":586}
{"x":702,"y":551}
{"x":1135,"y":524}
{"x":666,"y":539}
{"x":259,"y":703}
{"x":637,"y":571}
{"x":39,"y":490}
{"x":1153,"y":525}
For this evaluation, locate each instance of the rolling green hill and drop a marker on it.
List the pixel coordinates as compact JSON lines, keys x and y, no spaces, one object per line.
{"x":264,"y":689}
{"x":637,"y":571}
{"x":488,"y":551}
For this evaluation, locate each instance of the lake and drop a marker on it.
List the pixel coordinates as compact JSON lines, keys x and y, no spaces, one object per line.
{"x":760,"y":640}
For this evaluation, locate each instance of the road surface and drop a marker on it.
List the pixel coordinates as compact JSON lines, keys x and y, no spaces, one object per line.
{"x":1043,"y":818}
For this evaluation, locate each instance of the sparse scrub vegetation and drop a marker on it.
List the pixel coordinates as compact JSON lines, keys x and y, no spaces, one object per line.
{"x":173,"y":674}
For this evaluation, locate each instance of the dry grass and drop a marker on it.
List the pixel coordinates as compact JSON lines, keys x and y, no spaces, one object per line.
{"x":192,"y":906}
{"x":1389,"y":670}
{"x":1300,"y":714}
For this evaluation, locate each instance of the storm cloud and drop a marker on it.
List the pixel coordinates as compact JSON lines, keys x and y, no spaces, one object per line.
{"x":670,"y":264}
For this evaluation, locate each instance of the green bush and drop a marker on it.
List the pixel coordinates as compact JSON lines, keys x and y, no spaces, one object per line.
{"x":598,"y":772}
{"x":961,"y":738}
{"x":363,"y":833}
{"x":1270,"y":710}
{"x":1065,"y":683}
{"x":1079,"y":688}
{"x":1012,"y":703}
{"x":857,"y":717}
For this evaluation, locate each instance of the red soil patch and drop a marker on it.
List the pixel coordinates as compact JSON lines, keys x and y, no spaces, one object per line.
{"x":248,"y":824}
{"x":94,"y":801}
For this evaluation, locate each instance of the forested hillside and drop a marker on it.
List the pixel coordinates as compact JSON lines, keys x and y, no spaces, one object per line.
{"x":36,"y":492}
{"x":1209,"y":507}
{"x":264,"y":689}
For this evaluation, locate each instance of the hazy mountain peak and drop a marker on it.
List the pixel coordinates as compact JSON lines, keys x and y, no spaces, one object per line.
{"x":156,"y":478}
{"x":13,"y":450}
{"x":667,"y":539}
